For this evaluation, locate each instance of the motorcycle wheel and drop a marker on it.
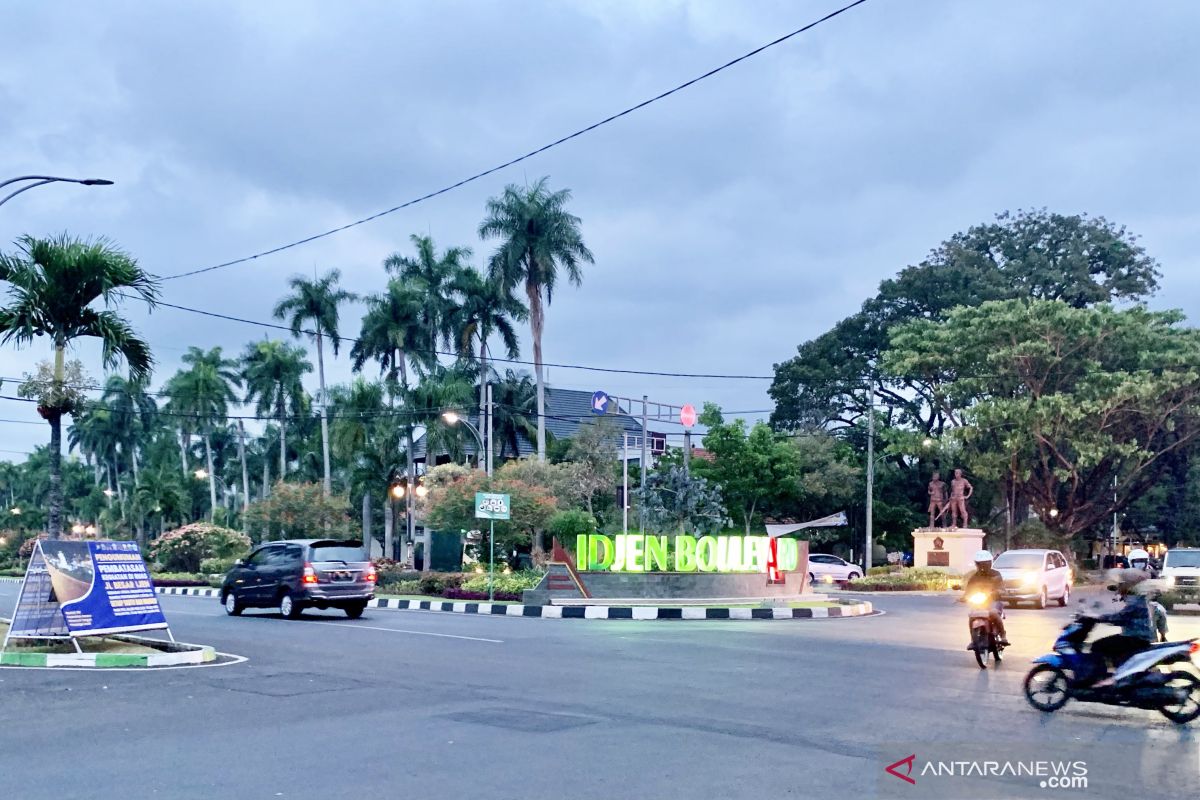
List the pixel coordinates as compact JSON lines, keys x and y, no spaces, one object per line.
{"x":1187,"y":710}
{"x":1047,"y":688}
{"x":996,"y":652}
{"x":980,"y":644}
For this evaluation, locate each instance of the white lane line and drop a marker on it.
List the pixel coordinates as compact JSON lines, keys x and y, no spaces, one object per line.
{"x":396,"y":630}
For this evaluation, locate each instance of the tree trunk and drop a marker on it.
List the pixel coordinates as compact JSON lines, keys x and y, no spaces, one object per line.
{"x":483,"y":409}
{"x":537,"y":323}
{"x":212,"y":479}
{"x":54,"y":513}
{"x":388,"y":524}
{"x":282,"y":441}
{"x":245,"y":475}
{"x":266,"y":492}
{"x":366,"y":523}
{"x":137,"y":480}
{"x":324,"y":413}
{"x":183,"y":438}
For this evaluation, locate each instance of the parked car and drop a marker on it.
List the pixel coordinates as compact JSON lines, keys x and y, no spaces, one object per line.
{"x":1034,"y":576}
{"x":823,"y":567}
{"x":1181,"y":568}
{"x":301,"y":573}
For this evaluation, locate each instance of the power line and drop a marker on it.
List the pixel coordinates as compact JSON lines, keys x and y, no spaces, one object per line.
{"x":528,"y":155}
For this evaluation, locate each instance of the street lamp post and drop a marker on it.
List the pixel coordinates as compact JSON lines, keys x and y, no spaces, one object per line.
{"x":42,"y":180}
{"x":452,"y":418}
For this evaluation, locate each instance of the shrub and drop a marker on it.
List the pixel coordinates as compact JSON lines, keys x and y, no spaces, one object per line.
{"x":509,"y":583}
{"x":403,"y":587}
{"x":910,"y":579}
{"x":437,"y":582}
{"x":886,"y":569}
{"x":216,"y":566}
{"x":1177,"y":597}
{"x":26,"y":549}
{"x":179,"y":579}
{"x":184,"y":548}
{"x":466,"y":594}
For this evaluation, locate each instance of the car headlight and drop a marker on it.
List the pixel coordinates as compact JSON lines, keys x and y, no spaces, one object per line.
{"x":1030,"y":579}
{"x":1169,"y":580}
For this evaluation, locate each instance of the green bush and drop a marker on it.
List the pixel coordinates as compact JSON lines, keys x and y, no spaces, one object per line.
{"x":1177,"y":597}
{"x":508,"y":583}
{"x":402,"y":587}
{"x":389,"y":573}
{"x":216,"y":566}
{"x":886,"y":569}
{"x":184,"y":548}
{"x":438,"y":582}
{"x":910,"y":579}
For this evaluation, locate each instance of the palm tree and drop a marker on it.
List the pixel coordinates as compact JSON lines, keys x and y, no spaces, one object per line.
{"x":317,"y":302}
{"x":393,"y":332}
{"x":202,"y":394}
{"x":431,"y":276}
{"x":537,"y":236}
{"x":53,"y":285}
{"x":272,"y":372}
{"x":446,"y":389}
{"x":136,"y":411}
{"x":483,"y":307}
{"x":514,"y":399}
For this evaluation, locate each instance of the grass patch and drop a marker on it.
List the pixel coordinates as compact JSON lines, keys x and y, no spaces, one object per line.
{"x":91,"y":644}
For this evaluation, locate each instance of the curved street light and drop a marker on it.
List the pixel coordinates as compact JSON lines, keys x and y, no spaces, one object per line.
{"x":42,"y":180}
{"x":453,"y":418}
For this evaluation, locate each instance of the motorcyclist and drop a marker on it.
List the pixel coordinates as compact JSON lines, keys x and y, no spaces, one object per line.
{"x":990,"y":582}
{"x":1135,"y":618}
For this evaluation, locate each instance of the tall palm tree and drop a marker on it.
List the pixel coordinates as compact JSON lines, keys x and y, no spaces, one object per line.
{"x":65,"y":289}
{"x":136,"y":411}
{"x":317,"y":302}
{"x":514,"y":400}
{"x":202,"y":394}
{"x":537,"y":236}
{"x":483,"y":307}
{"x":446,"y":389}
{"x":431,"y":275}
{"x":393,"y":333}
{"x":273,"y":373}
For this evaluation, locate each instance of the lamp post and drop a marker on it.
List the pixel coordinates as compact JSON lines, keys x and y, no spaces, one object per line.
{"x":42,"y":180}
{"x":452,"y":418}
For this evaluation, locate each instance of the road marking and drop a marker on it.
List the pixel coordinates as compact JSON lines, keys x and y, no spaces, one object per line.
{"x":395,"y":630}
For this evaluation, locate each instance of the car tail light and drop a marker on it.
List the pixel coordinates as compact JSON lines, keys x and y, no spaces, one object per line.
{"x":1195,"y":648}
{"x":370,"y":575}
{"x":310,"y":574}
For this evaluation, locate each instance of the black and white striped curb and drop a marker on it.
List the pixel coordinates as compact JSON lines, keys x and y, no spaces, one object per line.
{"x":588,"y":612}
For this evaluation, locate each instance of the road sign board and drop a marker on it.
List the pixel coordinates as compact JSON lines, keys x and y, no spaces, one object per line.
{"x":687,"y":415}
{"x":491,"y":506}
{"x":600,"y":401}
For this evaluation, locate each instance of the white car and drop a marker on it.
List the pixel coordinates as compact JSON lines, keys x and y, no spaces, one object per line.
{"x":824,"y":568}
{"x":1181,"y":568}
{"x":1034,"y":576}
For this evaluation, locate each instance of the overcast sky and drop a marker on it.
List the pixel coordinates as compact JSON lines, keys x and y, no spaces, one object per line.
{"x":729,"y":222}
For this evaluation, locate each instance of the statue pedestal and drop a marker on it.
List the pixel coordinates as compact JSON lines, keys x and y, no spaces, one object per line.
{"x":953,"y":549}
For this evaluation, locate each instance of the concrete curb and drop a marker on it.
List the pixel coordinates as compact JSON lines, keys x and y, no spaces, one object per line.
{"x":585,"y":612}
{"x":195,"y":654}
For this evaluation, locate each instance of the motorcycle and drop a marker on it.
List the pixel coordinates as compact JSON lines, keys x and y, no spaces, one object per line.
{"x":1152,"y":679}
{"x":984,"y":639}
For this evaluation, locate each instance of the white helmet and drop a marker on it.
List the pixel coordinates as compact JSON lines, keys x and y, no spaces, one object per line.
{"x":983,"y":555}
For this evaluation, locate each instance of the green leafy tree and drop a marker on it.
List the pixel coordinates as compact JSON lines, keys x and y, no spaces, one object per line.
{"x":514,"y":407}
{"x":451,"y":507}
{"x":182,"y":549}
{"x":676,"y":502}
{"x":593,"y":449}
{"x":537,"y":236}
{"x":200,"y":394}
{"x":66,"y":289}
{"x":432,"y":277}
{"x":301,"y":511}
{"x":272,"y":373}
{"x":1078,"y":407}
{"x":316,"y":302}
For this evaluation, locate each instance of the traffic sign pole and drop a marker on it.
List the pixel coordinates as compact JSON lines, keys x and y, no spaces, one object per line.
{"x":492,"y":561}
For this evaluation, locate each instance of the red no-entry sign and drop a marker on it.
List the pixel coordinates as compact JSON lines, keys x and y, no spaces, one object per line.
{"x":687,"y":415}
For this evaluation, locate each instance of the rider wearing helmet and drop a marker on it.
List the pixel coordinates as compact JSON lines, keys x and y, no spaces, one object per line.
{"x":1135,"y":618}
{"x":990,"y":582}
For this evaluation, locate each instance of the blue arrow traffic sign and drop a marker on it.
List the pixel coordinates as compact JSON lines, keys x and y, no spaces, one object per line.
{"x":600,"y":402}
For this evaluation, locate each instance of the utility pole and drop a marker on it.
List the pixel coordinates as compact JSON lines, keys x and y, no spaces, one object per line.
{"x":489,"y":447}
{"x":625,"y":486}
{"x":870,"y":474}
{"x":644,"y":466}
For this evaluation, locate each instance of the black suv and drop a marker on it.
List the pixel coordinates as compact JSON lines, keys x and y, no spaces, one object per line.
{"x":301,"y":573}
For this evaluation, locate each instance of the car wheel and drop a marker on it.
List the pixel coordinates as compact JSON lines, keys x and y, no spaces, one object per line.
{"x":1066,"y":596}
{"x":812,"y":579}
{"x":232,"y":606}
{"x":853,"y":576}
{"x":288,"y":607}
{"x":1042,"y":600}
{"x":355,"y":611}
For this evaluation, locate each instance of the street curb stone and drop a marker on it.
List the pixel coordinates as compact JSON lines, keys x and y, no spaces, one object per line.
{"x":585,"y":612}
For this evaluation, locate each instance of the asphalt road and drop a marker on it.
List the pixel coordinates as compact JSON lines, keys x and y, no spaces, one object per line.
{"x":430,"y":706}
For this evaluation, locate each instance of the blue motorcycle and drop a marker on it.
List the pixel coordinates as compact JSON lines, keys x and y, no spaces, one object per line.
{"x":1156,"y":678}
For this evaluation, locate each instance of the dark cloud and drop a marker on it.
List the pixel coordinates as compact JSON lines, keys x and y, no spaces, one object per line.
{"x":729,"y":222}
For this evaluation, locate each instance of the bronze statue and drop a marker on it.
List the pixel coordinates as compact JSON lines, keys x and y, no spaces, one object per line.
{"x":937,"y":498}
{"x":960,"y":491}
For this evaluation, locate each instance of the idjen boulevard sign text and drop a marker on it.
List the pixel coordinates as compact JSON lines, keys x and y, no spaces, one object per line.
{"x":638,"y":552}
